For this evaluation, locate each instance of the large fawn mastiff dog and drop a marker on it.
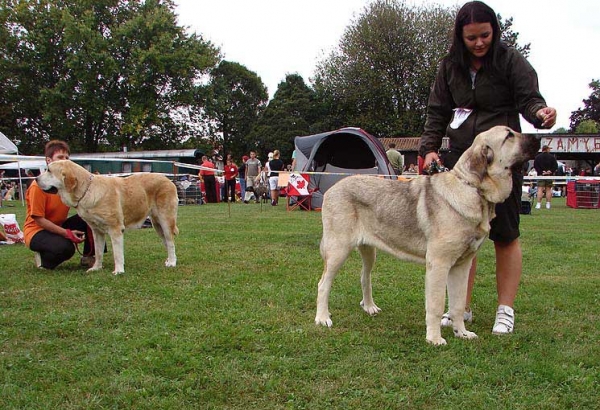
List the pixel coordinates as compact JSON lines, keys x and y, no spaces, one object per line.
{"x":438,"y":220}
{"x":109,"y":205}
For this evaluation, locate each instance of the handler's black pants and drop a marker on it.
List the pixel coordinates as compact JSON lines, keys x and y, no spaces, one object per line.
{"x":210,"y":187}
{"x":55,"y":249}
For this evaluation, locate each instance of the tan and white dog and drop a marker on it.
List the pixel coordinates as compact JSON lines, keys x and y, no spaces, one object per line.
{"x":110,"y":205}
{"x":438,"y":220}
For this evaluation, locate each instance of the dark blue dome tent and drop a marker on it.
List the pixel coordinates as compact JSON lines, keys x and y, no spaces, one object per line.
{"x":347,"y":151}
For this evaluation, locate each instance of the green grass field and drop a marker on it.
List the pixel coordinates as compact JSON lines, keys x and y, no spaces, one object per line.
{"x":231,"y":327}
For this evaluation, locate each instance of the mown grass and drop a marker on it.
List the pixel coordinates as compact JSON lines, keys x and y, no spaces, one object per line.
{"x":232,"y":325}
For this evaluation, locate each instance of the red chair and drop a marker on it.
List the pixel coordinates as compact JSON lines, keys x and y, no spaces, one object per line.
{"x":298,"y":193}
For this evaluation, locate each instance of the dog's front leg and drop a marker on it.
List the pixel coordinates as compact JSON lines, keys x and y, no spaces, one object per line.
{"x":458,"y":279}
{"x":99,"y":242}
{"x":116,"y":238}
{"x":436,"y":275}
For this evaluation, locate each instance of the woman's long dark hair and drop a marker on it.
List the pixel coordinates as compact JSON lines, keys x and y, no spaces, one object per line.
{"x":474,"y":12}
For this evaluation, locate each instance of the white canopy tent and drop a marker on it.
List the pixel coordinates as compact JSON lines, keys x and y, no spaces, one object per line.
{"x":6,"y":148}
{"x":28,"y":163}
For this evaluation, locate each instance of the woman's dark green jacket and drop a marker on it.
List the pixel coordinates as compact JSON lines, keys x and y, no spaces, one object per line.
{"x":496,"y":98}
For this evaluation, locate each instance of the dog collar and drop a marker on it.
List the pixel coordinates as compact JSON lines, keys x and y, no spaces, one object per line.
{"x":86,"y":190}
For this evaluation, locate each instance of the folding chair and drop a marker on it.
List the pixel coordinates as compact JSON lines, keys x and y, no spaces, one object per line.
{"x":298,"y":193}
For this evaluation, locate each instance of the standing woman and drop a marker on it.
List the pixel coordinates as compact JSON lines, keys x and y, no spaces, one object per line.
{"x":482,"y":83}
{"x":230,"y":174}
{"x":276,"y":165}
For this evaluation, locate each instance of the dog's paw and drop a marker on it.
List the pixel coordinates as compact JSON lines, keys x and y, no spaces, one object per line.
{"x":118,"y":272}
{"x":465,"y":334}
{"x":93,"y":269}
{"x":170,"y":264}
{"x":437,"y":341}
{"x":324,"y":322}
{"x":371,"y":309}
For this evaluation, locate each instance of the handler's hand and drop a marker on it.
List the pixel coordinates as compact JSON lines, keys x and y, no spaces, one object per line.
{"x":548,"y":117}
{"x":75,"y":236}
{"x":429,"y":158}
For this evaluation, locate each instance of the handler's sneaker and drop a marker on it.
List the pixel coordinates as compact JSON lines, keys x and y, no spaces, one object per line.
{"x":38,"y":259}
{"x":538,"y":205}
{"x":447,"y":322}
{"x":547,"y":205}
{"x":505,"y":320}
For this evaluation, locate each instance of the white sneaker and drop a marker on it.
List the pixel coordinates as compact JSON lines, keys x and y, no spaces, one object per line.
{"x":547,"y":205}
{"x":538,"y":205}
{"x":505,"y":320}
{"x":447,"y":322}
{"x":38,"y":259}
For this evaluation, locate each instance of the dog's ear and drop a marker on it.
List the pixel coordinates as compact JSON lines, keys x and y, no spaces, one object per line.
{"x":479,"y":160}
{"x":488,"y":153}
{"x":70,"y":182}
{"x":496,"y":183}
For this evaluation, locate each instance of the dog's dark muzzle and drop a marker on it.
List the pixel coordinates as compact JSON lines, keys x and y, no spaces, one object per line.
{"x":530,"y":145}
{"x":51,"y":190}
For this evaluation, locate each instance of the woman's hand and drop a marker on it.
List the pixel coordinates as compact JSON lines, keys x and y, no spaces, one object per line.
{"x":429,"y":158}
{"x":74,"y":235}
{"x":548,"y":117}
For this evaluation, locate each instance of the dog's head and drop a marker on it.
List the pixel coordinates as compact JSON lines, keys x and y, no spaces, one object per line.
{"x":489,"y":162}
{"x":63,"y":177}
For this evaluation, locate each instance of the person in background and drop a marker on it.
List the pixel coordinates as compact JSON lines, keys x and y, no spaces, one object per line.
{"x":242,"y":176}
{"x":230,"y":174}
{"x":48,"y":231}
{"x":267,"y":167}
{"x":293,"y":160}
{"x":545,"y":165}
{"x":561,"y":171}
{"x":276,"y":165}
{"x":208,"y":177}
{"x":395,"y":159}
{"x":3,"y":187}
{"x":253,"y":169}
{"x":482,"y":83}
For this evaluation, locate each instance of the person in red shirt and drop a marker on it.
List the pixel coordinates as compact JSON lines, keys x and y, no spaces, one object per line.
{"x":208,"y":177}
{"x":231,"y":172}
{"x":48,"y":230}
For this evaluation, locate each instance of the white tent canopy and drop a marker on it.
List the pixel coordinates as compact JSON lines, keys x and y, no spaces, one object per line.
{"x":26,"y":164}
{"x":7,"y":146}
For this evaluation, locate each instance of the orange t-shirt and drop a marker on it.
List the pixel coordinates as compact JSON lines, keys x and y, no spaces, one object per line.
{"x":40,"y":203}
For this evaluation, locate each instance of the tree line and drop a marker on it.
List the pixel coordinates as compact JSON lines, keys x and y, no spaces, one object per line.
{"x":111,"y":74}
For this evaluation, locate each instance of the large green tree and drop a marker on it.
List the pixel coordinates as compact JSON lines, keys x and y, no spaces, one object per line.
{"x":380,"y":75}
{"x":590,"y":113}
{"x":511,"y":37}
{"x":236,"y":97}
{"x":292,"y":112}
{"x":100,"y":74}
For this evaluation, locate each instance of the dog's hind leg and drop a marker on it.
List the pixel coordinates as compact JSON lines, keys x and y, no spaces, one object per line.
{"x":368,"y":254}
{"x":166,"y":228}
{"x":457,"y":293}
{"x":334,"y":255}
